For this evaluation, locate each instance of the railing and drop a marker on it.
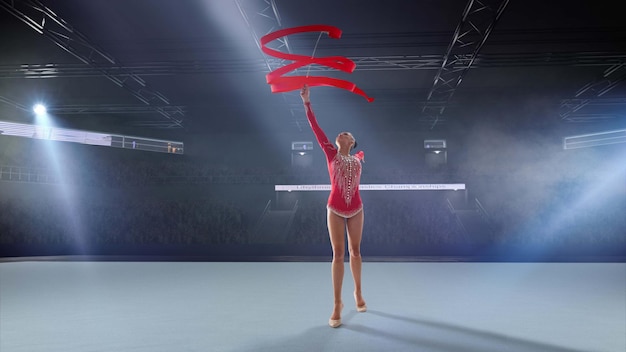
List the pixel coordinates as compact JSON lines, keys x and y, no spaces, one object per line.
{"x":456,"y":216}
{"x":450,"y":206}
{"x":482,"y":211}
{"x":290,"y":222}
{"x":26,"y":174}
{"x":12,"y":173}
{"x":486,"y":217}
{"x":261,"y":218}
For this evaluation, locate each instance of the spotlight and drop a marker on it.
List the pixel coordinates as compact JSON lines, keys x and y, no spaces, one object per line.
{"x":39,"y":109}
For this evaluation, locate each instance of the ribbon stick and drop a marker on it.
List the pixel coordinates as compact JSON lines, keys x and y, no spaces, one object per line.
{"x":280,"y":83}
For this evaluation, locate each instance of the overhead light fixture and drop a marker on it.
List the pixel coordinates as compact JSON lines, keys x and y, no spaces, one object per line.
{"x":39,"y":109}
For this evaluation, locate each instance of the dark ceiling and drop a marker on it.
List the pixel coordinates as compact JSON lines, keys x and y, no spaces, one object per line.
{"x":203,"y":71}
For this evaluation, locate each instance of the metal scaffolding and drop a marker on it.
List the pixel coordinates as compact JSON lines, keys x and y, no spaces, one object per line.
{"x":46,"y":22}
{"x":262,"y":17}
{"x":571,"y":109}
{"x":364,"y":63}
{"x":77,"y":109}
{"x":477,"y":22}
{"x":12,"y":103}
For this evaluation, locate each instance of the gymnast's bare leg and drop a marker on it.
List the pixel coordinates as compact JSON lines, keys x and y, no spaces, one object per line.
{"x":355,"y":233}
{"x":336,"y":231}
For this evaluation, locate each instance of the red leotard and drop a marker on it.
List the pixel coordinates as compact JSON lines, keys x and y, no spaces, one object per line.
{"x":345,"y":173}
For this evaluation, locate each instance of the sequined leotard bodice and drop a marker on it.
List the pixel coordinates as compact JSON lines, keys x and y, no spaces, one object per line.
{"x":344,"y":171}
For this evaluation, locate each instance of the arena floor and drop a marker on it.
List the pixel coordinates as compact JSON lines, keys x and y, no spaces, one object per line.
{"x":80,"y":306}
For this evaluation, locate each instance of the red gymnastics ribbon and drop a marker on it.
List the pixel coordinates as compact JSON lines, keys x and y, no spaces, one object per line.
{"x":280,"y":83}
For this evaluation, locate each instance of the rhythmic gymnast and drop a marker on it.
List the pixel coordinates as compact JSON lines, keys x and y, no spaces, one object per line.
{"x":345,"y":208}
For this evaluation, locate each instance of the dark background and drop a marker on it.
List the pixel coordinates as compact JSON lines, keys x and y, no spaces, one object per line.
{"x":504,"y":126}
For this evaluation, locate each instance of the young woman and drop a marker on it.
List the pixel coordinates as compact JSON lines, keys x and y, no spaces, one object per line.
{"x":345,"y":209}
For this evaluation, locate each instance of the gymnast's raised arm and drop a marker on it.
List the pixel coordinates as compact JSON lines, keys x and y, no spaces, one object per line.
{"x":321,"y":137}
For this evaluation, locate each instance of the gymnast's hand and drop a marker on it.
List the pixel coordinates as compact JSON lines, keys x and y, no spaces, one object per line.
{"x":305,"y":94}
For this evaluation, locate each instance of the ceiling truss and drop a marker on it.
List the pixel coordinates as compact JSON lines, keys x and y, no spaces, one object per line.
{"x":262,"y":17}
{"x":46,"y":22}
{"x":571,"y":110}
{"x":477,"y":22}
{"x":371,"y":63}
